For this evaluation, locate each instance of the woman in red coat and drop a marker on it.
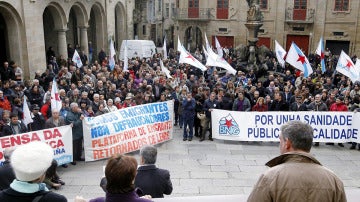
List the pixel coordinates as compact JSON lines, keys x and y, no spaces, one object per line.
{"x":260,"y":105}
{"x":339,"y":105}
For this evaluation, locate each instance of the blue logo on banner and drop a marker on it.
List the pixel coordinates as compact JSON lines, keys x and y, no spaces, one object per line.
{"x":228,"y":126}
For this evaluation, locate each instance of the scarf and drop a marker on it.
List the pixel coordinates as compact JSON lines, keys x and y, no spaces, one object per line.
{"x":28,"y":188}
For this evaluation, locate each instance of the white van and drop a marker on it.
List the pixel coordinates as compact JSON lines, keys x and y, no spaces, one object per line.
{"x":138,"y":48}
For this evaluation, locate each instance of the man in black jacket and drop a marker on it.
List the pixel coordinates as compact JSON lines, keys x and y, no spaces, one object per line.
{"x":150,"y":179}
{"x":6,"y":171}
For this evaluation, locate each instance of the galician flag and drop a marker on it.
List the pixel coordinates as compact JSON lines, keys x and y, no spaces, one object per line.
{"x":126,"y":60}
{"x":347,"y":67}
{"x":165,"y":70}
{"x":55,"y":98}
{"x":297,"y":59}
{"x":112,"y":55}
{"x":218,"y":48}
{"x":280,"y":53}
{"x":320,"y":52}
{"x":186,"y":57}
{"x":26,"y":113}
{"x":76,"y":59}
{"x":164,"y":49}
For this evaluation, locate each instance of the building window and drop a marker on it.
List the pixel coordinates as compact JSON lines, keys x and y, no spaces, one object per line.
{"x":172,"y":9}
{"x":177,"y":3}
{"x":193,"y":3}
{"x":167,"y":10}
{"x":144,"y":29}
{"x":222,"y":11}
{"x":159,"y":5}
{"x":263,"y":4}
{"x":341,"y":5}
{"x":300,"y":4}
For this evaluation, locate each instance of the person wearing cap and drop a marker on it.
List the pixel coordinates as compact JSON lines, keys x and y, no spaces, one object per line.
{"x":15,"y":126}
{"x":128,"y":101}
{"x":38,"y":119}
{"x":29,"y":163}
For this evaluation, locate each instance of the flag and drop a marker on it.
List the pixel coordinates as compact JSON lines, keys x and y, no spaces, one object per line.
{"x":76,"y":59}
{"x":112,"y":55}
{"x":55,"y":98}
{"x":214,"y":59}
{"x":297,"y":59}
{"x":207,"y":44}
{"x":347,"y":67}
{"x":164,"y":49}
{"x":320,"y":52}
{"x":186,"y":57}
{"x":165,"y":70}
{"x":205,"y":53}
{"x":218,"y":48}
{"x":26,"y":113}
{"x":357,"y":64}
{"x":280,"y":53}
{"x":126,"y":60}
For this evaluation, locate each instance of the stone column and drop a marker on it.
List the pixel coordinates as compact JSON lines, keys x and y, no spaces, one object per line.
{"x":84,"y":39}
{"x":62,"y":45}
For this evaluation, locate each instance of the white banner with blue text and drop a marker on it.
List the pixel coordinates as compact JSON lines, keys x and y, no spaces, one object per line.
{"x":127,"y":130}
{"x":337,"y":127}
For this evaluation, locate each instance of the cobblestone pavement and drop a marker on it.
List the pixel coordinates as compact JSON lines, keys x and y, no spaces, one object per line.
{"x":212,"y":168}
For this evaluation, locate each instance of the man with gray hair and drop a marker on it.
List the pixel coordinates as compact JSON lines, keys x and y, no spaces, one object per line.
{"x":296,"y":175}
{"x":150,"y":179}
{"x":75,"y":117}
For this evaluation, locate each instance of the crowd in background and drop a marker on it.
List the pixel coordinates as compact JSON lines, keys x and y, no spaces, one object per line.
{"x":97,"y":89}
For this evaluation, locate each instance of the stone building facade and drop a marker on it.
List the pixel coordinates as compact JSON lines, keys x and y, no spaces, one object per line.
{"x":29,"y":27}
{"x":301,"y":21}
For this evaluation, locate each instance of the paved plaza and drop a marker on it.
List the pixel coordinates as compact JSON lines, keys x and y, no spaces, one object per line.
{"x":213,"y":168}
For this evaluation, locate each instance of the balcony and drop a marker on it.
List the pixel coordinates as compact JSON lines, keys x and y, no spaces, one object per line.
{"x":197,"y":14}
{"x":299,"y":16}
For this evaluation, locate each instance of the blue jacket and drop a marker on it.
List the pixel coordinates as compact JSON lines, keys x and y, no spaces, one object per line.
{"x":77,"y":129}
{"x":208,"y":104}
{"x":189,"y":108}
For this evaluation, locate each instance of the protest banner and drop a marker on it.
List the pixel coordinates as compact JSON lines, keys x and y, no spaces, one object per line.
{"x":337,"y":127}
{"x":127,"y":130}
{"x":59,"y":138}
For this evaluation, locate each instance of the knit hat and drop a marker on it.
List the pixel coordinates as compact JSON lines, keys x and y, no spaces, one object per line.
{"x":30,"y":161}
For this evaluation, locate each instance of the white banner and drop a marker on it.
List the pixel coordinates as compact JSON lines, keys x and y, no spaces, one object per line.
{"x":60,"y":139}
{"x":127,"y":130}
{"x":338,"y":127}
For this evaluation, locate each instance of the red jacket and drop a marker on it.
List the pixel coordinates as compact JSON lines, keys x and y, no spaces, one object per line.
{"x":258,"y":108}
{"x":5,"y":104}
{"x":341,"y":107}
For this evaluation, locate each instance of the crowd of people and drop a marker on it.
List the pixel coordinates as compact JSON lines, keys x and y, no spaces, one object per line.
{"x":95,"y":89}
